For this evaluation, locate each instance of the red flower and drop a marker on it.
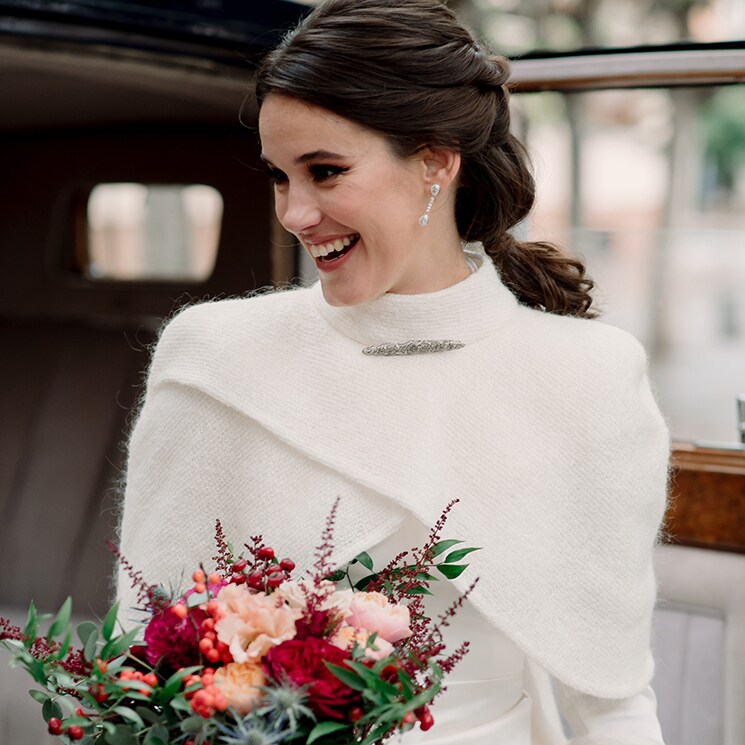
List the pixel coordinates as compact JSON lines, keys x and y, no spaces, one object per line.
{"x":172,"y":639}
{"x":301,"y":660}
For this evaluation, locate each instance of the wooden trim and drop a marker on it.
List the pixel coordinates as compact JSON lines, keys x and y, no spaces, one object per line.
{"x":629,"y":70}
{"x":707,"y":497}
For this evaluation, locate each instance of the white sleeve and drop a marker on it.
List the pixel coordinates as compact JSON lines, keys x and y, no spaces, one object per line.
{"x":600,"y":721}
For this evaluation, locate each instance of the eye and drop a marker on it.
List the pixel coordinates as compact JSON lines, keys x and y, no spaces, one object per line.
{"x":323,"y":172}
{"x":276,"y":176}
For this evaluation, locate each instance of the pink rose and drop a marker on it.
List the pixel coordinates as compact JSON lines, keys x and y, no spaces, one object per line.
{"x":372,"y":611}
{"x":239,"y":683}
{"x":346,"y":636}
{"x":251,"y":623}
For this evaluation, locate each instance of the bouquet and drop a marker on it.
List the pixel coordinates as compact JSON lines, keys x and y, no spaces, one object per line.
{"x":247,"y":655}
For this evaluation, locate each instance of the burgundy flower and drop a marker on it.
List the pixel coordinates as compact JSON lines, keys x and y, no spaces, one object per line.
{"x":301,"y":660}
{"x":174,"y":640}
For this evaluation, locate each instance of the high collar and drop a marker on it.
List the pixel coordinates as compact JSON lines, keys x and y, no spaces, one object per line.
{"x":466,"y":311}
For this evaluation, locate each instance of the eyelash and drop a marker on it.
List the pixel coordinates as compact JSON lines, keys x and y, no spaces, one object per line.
{"x":320,"y":173}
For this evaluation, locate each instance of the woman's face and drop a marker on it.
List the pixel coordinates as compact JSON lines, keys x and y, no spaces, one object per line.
{"x":352,"y":203}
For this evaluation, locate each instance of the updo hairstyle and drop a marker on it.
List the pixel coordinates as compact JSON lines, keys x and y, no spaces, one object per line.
{"x":410,"y":71}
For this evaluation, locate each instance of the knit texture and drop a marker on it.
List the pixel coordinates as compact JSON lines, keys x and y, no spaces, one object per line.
{"x":262,"y":411}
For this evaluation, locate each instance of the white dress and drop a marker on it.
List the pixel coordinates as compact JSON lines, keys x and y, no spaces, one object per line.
{"x":484,"y":701}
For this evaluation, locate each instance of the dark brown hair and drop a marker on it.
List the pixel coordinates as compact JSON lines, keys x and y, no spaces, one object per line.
{"x":411,"y":72}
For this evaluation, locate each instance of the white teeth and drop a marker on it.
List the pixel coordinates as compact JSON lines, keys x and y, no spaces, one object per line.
{"x":324,"y":249}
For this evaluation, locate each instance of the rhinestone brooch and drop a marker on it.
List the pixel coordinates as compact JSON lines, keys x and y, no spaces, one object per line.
{"x":415,"y":346}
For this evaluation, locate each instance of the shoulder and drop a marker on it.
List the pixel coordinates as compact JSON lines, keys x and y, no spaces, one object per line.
{"x":203,"y":335}
{"x":580,"y":347}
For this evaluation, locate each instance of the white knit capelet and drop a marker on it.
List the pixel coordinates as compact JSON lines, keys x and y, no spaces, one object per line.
{"x":543,"y":426}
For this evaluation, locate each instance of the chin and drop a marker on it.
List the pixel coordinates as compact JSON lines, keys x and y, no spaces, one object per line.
{"x":342,"y":297}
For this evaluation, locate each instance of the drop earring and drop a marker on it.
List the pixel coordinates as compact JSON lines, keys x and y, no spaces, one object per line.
{"x":434,"y":190}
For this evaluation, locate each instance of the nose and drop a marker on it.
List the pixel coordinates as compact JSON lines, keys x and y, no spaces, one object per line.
{"x":297,"y":209}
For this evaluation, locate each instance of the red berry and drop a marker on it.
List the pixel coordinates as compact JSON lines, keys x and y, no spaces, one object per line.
{"x":355,"y":714}
{"x":198,"y":576}
{"x":75,"y":732}
{"x":54,"y":726}
{"x":275,"y":580}
{"x":179,"y":610}
{"x":205,"y":645}
{"x":408,"y":719}
{"x":426,"y":720}
{"x":256,"y":579}
{"x":240,"y":565}
{"x":200,"y":587}
{"x":273,"y":568}
{"x":238,"y":578}
{"x":266,"y":553}
{"x":287,"y":564}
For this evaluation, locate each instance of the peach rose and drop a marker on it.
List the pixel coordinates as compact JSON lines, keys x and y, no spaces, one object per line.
{"x":252,"y":623}
{"x":373,"y":612}
{"x":295,"y":594}
{"x":239,"y":683}
{"x":346,"y":636}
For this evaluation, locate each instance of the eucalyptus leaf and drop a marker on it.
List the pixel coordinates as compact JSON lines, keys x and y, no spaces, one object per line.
{"x":459,"y":554}
{"x":197,"y":598}
{"x":441,"y":546}
{"x":451,"y":571}
{"x":61,"y":620}
{"x":157,"y":736}
{"x":84,"y":630}
{"x":149,"y":715}
{"x":64,"y":646}
{"x":324,"y":728}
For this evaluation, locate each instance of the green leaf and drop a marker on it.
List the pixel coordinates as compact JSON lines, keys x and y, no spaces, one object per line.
{"x":119,"y":644}
{"x":85,"y":629}
{"x":121,"y":735}
{"x":39,"y":696}
{"x":336,"y":576}
{"x":175,"y":682}
{"x":451,"y":571}
{"x":156,"y":736}
{"x":365,"y":559}
{"x":406,"y":688}
{"x":91,"y":645}
{"x":376,"y":734}
{"x":109,"y":622}
{"x":324,"y":728}
{"x":130,"y":715}
{"x":64,"y":646}
{"x":149,"y":715}
{"x":441,"y":546}
{"x":197,"y":598}
{"x":32,"y":624}
{"x":459,"y":554}
{"x":365,"y":581}
{"x":50,"y":708}
{"x":418,"y":590}
{"x":61,"y":620}
{"x":347,"y":676}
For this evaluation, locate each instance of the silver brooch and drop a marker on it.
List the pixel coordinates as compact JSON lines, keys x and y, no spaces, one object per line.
{"x":415,"y":346}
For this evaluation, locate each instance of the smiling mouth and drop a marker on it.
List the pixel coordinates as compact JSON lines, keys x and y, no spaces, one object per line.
{"x":334,"y":249}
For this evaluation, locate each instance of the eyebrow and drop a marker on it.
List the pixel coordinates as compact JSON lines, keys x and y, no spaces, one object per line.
{"x":312,"y":156}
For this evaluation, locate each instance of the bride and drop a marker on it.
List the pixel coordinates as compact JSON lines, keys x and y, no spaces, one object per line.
{"x":438,"y":357}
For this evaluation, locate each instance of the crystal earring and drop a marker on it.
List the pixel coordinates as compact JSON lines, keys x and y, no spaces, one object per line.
{"x":434,"y":190}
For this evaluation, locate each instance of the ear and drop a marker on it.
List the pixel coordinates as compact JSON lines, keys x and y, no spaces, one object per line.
{"x":440,"y":166}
